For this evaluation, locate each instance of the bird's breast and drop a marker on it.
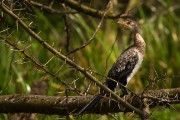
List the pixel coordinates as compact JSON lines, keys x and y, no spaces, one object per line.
{"x":136,"y":67}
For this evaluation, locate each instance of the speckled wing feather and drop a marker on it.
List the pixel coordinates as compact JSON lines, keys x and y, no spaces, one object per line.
{"x":122,"y":68}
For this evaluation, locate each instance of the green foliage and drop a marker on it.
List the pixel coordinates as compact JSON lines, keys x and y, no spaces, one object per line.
{"x":159,"y":24}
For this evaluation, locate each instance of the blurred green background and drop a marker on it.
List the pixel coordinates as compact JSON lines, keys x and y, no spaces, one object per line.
{"x":160,"y":27}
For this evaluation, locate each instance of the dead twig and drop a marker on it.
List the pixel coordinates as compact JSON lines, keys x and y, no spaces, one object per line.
{"x":94,"y":34}
{"x":32,"y":59}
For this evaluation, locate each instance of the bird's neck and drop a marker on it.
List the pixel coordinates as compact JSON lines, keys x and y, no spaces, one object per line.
{"x":139,"y":42}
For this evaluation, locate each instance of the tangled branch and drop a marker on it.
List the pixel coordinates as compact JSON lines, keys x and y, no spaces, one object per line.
{"x":58,"y":105}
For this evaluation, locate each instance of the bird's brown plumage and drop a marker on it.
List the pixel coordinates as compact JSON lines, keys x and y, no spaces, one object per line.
{"x":125,"y":66}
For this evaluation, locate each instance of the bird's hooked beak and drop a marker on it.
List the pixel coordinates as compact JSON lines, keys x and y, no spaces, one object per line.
{"x":122,"y":23}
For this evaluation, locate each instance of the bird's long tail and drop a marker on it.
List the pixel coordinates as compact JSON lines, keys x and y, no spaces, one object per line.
{"x":91,"y":104}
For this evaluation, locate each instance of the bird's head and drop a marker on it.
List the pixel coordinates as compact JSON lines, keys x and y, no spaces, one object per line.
{"x":129,"y":24}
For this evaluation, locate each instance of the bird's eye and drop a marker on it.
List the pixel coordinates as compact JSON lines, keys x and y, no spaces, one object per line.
{"x":128,"y":22}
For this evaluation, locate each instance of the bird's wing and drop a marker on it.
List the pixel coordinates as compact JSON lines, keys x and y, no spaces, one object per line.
{"x":122,"y":68}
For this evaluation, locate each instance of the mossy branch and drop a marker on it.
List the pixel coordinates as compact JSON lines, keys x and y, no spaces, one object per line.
{"x":67,"y":105}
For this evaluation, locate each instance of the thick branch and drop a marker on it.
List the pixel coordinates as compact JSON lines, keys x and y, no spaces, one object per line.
{"x":80,"y":8}
{"x":90,"y":11}
{"x":64,"y":105}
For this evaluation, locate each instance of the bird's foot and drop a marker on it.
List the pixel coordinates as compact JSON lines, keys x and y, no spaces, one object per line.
{"x":123,"y":95}
{"x":124,"y":91}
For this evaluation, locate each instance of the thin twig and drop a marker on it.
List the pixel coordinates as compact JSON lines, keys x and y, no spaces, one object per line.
{"x":48,"y":8}
{"x":154,"y":81}
{"x":110,"y":54}
{"x":68,"y":31}
{"x":92,"y":37}
{"x":9,"y":75}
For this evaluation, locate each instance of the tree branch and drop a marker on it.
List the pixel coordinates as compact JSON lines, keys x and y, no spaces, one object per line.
{"x":48,"y":8}
{"x":69,"y":61}
{"x":58,"y":105}
{"x":90,"y":11}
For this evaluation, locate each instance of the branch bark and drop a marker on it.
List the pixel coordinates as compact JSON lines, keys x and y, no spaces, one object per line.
{"x":67,"y":105}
